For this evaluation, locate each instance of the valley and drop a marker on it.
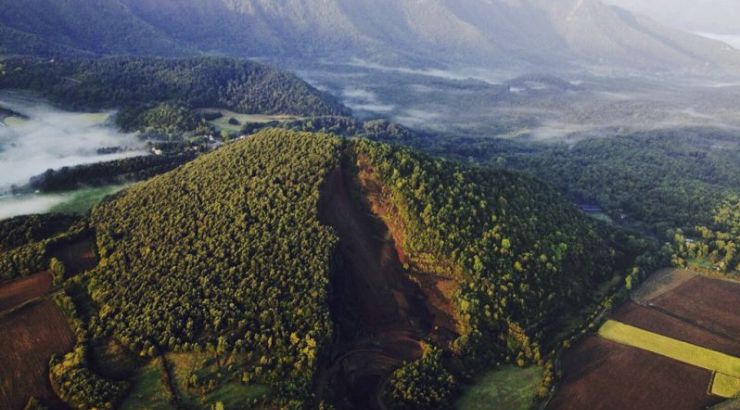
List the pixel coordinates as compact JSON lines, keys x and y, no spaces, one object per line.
{"x":369,"y":204}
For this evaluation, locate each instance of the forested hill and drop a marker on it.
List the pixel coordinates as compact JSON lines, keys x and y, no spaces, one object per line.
{"x":228,"y":255}
{"x":129,"y":82}
{"x":227,"y":250}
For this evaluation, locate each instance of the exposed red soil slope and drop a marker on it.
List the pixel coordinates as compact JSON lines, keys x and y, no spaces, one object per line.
{"x":377,"y":309}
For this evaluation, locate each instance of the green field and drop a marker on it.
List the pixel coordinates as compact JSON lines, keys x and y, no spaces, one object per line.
{"x":223,"y":122}
{"x":148,"y":391}
{"x":232,"y":394}
{"x":82,"y":200}
{"x":671,"y":348}
{"x":508,"y":388}
{"x":14,"y":121}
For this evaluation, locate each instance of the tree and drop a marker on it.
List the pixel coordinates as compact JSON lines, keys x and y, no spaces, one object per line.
{"x":57,"y":271}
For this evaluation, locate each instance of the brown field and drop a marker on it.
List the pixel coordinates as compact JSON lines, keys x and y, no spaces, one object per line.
{"x":601,"y":374}
{"x":656,"y":321}
{"x":19,"y":291}
{"x":710,"y":303}
{"x":660,"y":282}
{"x":30,"y":335}
{"x":77,"y":257}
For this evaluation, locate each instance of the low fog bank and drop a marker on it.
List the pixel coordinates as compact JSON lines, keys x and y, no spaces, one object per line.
{"x":52,"y":138}
{"x":78,"y":201}
{"x":537,"y":107}
{"x":15,"y":205}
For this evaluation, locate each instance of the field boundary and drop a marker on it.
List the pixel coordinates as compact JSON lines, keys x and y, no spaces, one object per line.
{"x":724,"y":386}
{"x":672,"y":348}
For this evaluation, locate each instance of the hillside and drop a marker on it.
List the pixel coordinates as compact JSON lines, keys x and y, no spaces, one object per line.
{"x":140,"y":83}
{"x":467,"y":32}
{"x":282,"y":258}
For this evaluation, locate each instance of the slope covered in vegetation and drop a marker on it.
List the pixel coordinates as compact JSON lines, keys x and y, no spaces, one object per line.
{"x":654,"y":180}
{"x":244,"y":258}
{"x":715,"y":243}
{"x":224,"y":253}
{"x":128,"y":82}
{"x":522,"y":255}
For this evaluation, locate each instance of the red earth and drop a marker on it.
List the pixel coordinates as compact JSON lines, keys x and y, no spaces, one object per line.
{"x":601,"y":374}
{"x":30,"y":335}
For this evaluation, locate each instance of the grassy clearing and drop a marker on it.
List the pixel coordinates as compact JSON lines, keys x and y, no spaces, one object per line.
{"x":83,"y":200}
{"x":223,"y":122}
{"x":507,"y":388}
{"x":149,"y":391}
{"x":233,"y":393}
{"x":725,"y":386}
{"x":671,"y":348}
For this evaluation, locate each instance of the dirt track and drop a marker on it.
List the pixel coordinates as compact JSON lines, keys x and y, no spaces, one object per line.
{"x":381,"y":315}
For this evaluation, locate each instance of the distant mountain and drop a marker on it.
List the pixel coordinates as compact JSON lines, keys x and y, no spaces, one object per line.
{"x":477,"y":32}
{"x":712,"y":16}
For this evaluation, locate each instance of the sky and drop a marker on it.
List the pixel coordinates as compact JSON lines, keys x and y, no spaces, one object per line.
{"x":699,"y":16}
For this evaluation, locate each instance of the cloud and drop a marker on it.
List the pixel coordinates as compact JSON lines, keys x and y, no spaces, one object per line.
{"x":52,"y":138}
{"x":360,"y":99}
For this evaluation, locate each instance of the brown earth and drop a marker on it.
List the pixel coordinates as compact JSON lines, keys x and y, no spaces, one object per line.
{"x":604,"y":375}
{"x":29,"y":337}
{"x":660,"y":282}
{"x":20,"y":291}
{"x":438,"y":290}
{"x":710,"y":303}
{"x":382,"y":315}
{"x":78,"y":256}
{"x":31,"y":333}
{"x":601,"y":374}
{"x":671,"y":326}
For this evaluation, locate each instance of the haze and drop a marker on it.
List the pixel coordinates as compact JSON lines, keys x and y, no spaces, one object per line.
{"x":52,"y":138}
{"x":704,"y":16}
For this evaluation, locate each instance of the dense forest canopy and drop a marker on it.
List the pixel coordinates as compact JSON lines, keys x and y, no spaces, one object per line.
{"x":225,"y":250}
{"x":133,"y":83}
{"x":226,"y":256}
{"x":655,"y":181}
{"x":524,"y":255}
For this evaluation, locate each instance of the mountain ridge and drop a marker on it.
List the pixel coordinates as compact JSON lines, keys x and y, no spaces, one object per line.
{"x":563,"y":33}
